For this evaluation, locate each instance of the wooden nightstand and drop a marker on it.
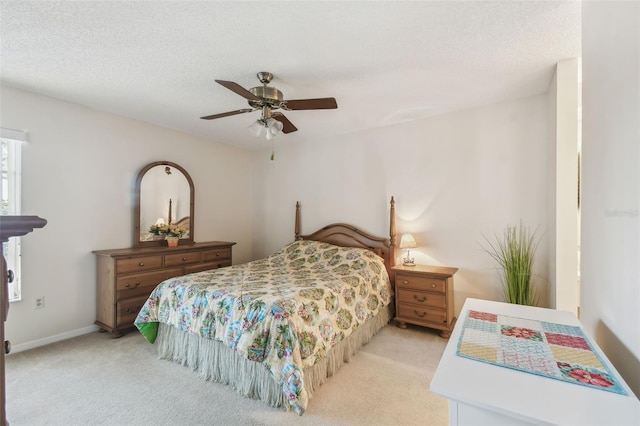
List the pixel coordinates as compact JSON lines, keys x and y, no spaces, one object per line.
{"x":424,"y":296}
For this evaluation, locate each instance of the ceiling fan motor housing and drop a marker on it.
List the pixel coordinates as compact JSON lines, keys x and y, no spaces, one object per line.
{"x":268,"y":95}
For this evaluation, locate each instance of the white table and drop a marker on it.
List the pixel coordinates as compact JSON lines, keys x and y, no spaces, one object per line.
{"x":484,"y":394}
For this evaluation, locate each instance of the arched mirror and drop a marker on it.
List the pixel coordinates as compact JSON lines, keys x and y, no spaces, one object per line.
{"x":163,"y":205}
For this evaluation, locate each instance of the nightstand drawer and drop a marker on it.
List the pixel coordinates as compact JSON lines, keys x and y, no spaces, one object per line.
{"x":422,"y":314}
{"x":142,"y":263}
{"x":420,"y":283}
{"x":437,"y":300}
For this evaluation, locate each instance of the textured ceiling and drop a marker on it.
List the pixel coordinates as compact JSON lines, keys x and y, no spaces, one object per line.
{"x":384,"y":62}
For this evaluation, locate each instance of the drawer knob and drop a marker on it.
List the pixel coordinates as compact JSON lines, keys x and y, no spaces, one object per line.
{"x":405,"y":282}
{"x":420,"y":299}
{"x":184,"y":259}
{"x":134,"y":286}
{"x":433,"y":286}
{"x":141,"y":264}
{"x":217,"y":254}
{"x":421,"y":315}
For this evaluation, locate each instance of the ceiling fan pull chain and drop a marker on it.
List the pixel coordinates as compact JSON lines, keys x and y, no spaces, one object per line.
{"x":273,"y":155}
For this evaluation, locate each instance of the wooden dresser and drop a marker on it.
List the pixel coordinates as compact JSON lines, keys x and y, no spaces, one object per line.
{"x":424,"y":296}
{"x":126,"y":277}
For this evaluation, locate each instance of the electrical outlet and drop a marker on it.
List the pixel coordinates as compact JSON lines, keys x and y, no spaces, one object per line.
{"x":39,"y":302}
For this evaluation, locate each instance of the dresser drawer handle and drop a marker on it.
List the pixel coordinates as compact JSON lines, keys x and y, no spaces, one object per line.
{"x":184,"y":259}
{"x":433,"y":286}
{"x":405,"y":282}
{"x":421,"y":315}
{"x":420,"y":299}
{"x":141,"y":264}
{"x":217,"y":254}
{"x":134,"y":286}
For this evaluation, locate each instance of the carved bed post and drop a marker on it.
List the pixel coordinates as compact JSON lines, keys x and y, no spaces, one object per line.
{"x":392,"y":231}
{"x":297,"y":230}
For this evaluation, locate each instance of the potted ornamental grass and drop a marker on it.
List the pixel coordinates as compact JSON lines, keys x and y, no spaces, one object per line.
{"x":514,"y":253}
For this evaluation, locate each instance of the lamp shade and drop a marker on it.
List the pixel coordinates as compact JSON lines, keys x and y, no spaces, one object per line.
{"x":407,"y":241}
{"x":256,"y":128}
{"x":274,"y":126}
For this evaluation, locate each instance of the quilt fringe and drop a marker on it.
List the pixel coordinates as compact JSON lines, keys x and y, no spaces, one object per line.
{"x":216,"y":362}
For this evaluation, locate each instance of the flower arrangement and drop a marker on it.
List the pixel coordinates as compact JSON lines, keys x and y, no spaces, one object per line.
{"x":175,"y":231}
{"x":161,"y":229}
{"x":167,"y":230}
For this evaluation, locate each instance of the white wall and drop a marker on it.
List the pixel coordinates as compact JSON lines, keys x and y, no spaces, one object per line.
{"x":610,"y":275}
{"x":454,"y":178}
{"x":78,"y":172}
{"x":563,"y":103}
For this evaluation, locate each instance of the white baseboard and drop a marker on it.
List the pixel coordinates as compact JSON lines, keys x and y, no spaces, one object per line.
{"x":53,"y":339}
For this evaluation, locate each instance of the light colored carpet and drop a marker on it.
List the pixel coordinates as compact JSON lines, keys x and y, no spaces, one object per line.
{"x":96,"y":380}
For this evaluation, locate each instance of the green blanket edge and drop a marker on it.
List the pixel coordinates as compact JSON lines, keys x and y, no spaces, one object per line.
{"x":149,"y":330}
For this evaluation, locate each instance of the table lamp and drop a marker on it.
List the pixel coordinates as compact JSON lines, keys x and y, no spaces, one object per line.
{"x":408,"y":242}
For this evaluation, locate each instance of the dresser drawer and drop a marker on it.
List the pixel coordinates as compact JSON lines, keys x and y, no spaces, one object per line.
{"x":138,"y":264}
{"x":180,"y":259}
{"x":147,"y":279}
{"x":127,"y":310}
{"x":423,"y":298}
{"x":213,"y":255}
{"x":421,"y":283}
{"x":206,"y":266}
{"x":422,"y":314}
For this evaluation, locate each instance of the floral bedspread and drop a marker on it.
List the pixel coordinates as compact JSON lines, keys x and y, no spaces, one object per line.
{"x":285,"y":311}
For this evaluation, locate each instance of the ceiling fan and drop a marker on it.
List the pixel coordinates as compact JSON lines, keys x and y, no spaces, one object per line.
{"x":269,"y":100}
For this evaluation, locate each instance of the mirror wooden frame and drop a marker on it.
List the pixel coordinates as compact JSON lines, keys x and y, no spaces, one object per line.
{"x":136,"y":207}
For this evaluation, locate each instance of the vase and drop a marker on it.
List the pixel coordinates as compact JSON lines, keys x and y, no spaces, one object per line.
{"x":172,"y":241}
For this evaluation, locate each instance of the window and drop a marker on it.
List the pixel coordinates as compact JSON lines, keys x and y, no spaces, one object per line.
{"x":10,"y":141}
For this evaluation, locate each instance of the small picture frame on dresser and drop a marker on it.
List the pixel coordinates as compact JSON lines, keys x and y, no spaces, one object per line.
{"x":424,"y":297}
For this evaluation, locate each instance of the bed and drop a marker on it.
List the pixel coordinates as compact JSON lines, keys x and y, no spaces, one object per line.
{"x":276,"y":328}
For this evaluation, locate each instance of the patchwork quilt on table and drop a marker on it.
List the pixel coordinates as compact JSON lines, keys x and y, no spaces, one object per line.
{"x":557,"y":351}
{"x":285,"y":311}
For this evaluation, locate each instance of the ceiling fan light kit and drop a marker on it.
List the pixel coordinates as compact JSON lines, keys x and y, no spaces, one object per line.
{"x":271,"y":126}
{"x":269,"y":99}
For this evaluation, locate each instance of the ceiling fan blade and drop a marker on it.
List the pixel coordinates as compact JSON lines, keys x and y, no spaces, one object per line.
{"x":320,"y":103}
{"x":227,"y":114}
{"x":287,"y":126}
{"x":236,"y":88}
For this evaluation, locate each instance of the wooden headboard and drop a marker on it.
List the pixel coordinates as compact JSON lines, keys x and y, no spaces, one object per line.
{"x":341,"y":234}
